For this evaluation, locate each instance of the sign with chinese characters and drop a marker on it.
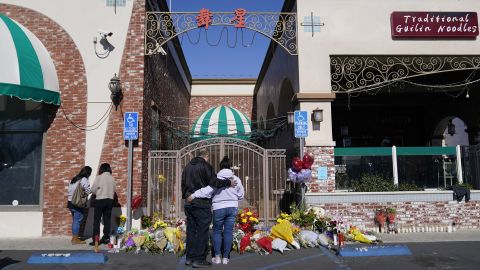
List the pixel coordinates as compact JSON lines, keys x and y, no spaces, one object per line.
{"x":204,"y":18}
{"x":434,"y":25}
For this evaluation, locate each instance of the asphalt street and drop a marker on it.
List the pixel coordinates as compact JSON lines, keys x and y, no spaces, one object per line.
{"x":434,"y":255}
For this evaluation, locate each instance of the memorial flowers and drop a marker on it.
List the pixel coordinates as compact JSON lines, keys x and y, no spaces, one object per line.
{"x":246,"y":220}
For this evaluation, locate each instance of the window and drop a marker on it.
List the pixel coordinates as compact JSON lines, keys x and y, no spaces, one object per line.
{"x":120,"y":3}
{"x":22,"y":127}
{"x":155,"y":128}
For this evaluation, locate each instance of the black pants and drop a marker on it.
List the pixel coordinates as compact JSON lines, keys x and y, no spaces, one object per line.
{"x":103,"y":208}
{"x":198,"y":221}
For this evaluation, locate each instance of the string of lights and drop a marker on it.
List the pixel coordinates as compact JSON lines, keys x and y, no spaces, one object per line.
{"x":225,"y":29}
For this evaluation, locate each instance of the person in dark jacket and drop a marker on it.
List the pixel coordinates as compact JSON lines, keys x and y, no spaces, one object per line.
{"x":196,"y":175}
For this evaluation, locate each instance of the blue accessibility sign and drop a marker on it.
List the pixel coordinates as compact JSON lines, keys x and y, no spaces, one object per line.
{"x":130,"y":126}
{"x":301,"y":124}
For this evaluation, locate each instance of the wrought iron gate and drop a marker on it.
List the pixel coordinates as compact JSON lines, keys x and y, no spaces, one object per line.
{"x":471,"y":165}
{"x":262,"y":172}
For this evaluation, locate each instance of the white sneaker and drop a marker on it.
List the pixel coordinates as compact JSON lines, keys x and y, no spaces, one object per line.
{"x":216,"y":260}
{"x":225,"y":260}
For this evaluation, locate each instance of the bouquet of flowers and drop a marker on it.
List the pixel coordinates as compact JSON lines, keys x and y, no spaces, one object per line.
{"x":246,"y":220}
{"x":123,"y":220}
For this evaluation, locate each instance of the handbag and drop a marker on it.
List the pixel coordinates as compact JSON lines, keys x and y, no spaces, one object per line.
{"x":79,"y":198}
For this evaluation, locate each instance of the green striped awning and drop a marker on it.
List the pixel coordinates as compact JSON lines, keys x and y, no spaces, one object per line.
{"x":221,"y":121}
{"x":26,"y":68}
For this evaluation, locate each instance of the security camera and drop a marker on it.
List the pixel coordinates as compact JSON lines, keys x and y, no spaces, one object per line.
{"x":104,"y":33}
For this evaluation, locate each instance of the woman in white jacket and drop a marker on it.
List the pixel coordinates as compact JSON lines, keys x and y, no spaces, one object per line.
{"x":225,"y":209}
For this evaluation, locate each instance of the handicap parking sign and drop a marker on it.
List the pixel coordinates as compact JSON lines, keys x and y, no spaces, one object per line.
{"x":301,"y":124}
{"x":130,"y":126}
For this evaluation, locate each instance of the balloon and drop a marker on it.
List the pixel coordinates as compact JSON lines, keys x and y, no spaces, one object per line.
{"x":308,"y":161}
{"x":303,"y":176}
{"x":297,"y":164}
{"x":137,"y":201}
{"x":292,"y":175}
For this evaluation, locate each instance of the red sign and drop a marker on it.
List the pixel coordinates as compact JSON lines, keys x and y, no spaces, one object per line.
{"x":204,"y":18}
{"x":434,"y":24}
{"x":239,"y":17}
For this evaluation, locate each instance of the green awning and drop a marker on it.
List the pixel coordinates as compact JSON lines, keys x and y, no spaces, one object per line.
{"x":26,"y":69}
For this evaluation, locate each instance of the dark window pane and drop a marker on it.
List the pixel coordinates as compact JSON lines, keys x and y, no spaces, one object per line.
{"x":20,"y":168}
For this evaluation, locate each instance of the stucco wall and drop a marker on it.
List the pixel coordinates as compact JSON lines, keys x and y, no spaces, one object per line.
{"x":65,"y":144}
{"x":363,"y":27}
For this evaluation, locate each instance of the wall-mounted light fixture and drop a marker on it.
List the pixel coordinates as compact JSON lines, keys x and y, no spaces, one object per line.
{"x":317,"y":115}
{"x":451,"y":128}
{"x":116,"y":96}
{"x":317,"y":118}
{"x":290,"y":118}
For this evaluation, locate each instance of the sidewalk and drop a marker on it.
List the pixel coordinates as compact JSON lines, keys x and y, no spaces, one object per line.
{"x":63,"y":243}
{"x":43,"y":243}
{"x":458,"y":236}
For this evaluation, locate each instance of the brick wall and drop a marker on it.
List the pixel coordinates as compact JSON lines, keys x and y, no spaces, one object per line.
{"x":65,"y":146}
{"x":165,"y":88}
{"x":199,"y":105}
{"x":410,"y":214}
{"x":323,"y":158}
{"x":115,"y":150}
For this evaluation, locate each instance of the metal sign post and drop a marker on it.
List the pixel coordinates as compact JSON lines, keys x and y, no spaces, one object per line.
{"x":130,"y":133}
{"x":301,"y":132}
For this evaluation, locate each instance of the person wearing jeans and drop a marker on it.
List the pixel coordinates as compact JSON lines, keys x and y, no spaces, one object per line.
{"x":77,"y":213}
{"x":104,"y":189}
{"x":225,"y":209}
{"x":199,"y":174}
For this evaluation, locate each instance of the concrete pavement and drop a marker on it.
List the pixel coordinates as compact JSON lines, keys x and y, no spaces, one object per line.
{"x":63,"y":243}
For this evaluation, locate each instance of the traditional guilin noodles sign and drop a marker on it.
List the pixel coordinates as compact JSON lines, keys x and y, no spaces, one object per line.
{"x":434,"y":25}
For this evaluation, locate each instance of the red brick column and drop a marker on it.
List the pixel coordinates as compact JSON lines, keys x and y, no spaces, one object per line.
{"x":65,"y":147}
{"x":324,"y":157}
{"x":115,"y":150}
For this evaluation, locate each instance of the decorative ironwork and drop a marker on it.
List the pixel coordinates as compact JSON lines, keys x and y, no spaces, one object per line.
{"x":361,"y":73}
{"x":163,"y":26}
{"x":262,"y":172}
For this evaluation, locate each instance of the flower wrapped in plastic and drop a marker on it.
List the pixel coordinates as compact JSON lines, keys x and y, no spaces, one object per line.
{"x":265,"y":243}
{"x":357,"y":235}
{"x":283,"y":230}
{"x":279,"y":245}
{"x":244,"y":243}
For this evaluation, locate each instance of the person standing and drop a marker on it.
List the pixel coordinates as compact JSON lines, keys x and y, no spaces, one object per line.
{"x":78,"y":213}
{"x":225,"y":209}
{"x":104,"y":189}
{"x":198,"y":174}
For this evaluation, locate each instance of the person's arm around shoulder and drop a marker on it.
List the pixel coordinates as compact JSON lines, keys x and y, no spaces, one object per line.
{"x":205,"y":192}
{"x":239,"y":188}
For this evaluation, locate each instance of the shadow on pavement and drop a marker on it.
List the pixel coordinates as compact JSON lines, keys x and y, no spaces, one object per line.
{"x":7,"y":261}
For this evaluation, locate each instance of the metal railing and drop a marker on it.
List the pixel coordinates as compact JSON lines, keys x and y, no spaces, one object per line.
{"x":262,"y":172}
{"x":426,"y":167}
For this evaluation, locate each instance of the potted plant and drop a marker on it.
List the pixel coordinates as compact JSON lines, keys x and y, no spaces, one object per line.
{"x":391,"y":214}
